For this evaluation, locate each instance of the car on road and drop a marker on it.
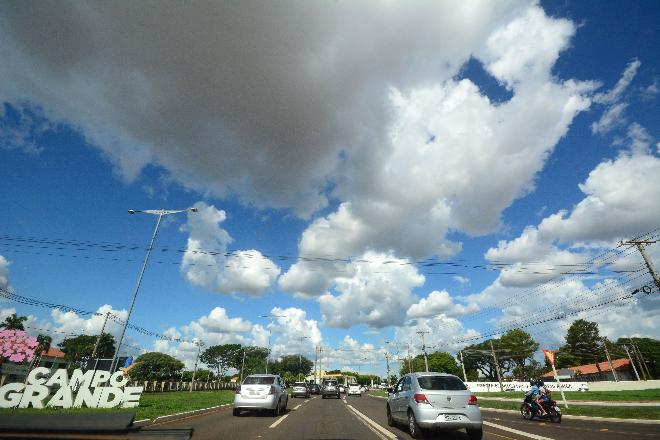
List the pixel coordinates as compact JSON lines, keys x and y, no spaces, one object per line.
{"x":330,"y":387}
{"x":300,"y":389}
{"x":264,"y":392}
{"x":354,"y":390}
{"x":314,"y":388}
{"x":434,"y":401}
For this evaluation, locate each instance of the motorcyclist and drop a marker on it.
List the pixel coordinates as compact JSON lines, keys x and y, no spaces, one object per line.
{"x":534,"y":393}
{"x":544,"y":395}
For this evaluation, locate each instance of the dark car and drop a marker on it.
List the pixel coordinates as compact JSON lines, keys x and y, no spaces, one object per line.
{"x":300,"y":389}
{"x":314,"y":388}
{"x":329,"y":388}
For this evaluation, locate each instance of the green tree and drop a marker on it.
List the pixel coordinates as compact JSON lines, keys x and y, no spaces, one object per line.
{"x":222,"y":357}
{"x":517,"y":349}
{"x":156,"y":366}
{"x":649,"y":349}
{"x":295,"y":364}
{"x":583,"y":345}
{"x":255,"y":360}
{"x":479,"y":360}
{"x":80,"y":348}
{"x":202,"y":375}
{"x":439,"y":362}
{"x":14,"y":322}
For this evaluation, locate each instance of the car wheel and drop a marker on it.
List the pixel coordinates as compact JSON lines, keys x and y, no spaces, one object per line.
{"x":390,"y":419}
{"x":236,"y":412}
{"x":323,"y":396}
{"x":413,"y":427}
{"x":475,"y":434}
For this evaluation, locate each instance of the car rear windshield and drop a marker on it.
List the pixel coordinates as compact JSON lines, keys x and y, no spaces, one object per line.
{"x":258,"y":380}
{"x":330,"y":382}
{"x":299,"y":384}
{"x":441,"y":383}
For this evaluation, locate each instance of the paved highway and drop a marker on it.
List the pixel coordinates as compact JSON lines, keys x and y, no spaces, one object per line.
{"x":363,"y":418}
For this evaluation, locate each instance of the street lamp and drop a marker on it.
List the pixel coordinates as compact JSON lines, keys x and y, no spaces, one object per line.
{"x":160,"y":213}
{"x":270,"y":333}
{"x":300,"y":354}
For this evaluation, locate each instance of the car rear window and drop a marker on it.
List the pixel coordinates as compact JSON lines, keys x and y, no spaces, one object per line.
{"x":441,"y":383}
{"x":299,"y":384}
{"x":257,"y":380}
{"x":330,"y":382}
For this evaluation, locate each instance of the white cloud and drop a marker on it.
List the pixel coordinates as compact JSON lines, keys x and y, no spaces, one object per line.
{"x":290,"y":325}
{"x":442,"y":334}
{"x":218,"y":321}
{"x":376,"y":292}
{"x":461,"y":279}
{"x":74,"y":324}
{"x":4,"y":273}
{"x":609,"y":119}
{"x":439,"y":303}
{"x":206,"y":262}
{"x":614,"y":95}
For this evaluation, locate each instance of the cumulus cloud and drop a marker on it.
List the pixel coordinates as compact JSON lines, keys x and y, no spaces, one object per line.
{"x":4,"y":273}
{"x":68,"y":322}
{"x":293,"y":333}
{"x":442,"y":333}
{"x":206,"y":262}
{"x":376,"y":292}
{"x":439,"y":303}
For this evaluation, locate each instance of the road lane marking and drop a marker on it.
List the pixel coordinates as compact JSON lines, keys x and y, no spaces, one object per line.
{"x":382,"y":431}
{"x":499,"y":435}
{"x":297,"y":407}
{"x":516,"y":431}
{"x":278,"y":421}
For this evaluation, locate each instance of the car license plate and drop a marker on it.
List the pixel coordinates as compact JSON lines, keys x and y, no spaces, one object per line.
{"x":453,"y":418}
{"x":253,"y":392}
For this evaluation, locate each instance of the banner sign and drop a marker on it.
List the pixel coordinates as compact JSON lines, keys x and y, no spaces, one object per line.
{"x":550,"y":355}
{"x":93,"y":389}
{"x":485,"y":387}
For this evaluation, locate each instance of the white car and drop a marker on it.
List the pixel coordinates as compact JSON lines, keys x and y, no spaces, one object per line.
{"x":261,"y":392}
{"x":354,"y":390}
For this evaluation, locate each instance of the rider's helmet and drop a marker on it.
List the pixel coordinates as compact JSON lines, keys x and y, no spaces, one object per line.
{"x":539,"y":382}
{"x":532,"y":382}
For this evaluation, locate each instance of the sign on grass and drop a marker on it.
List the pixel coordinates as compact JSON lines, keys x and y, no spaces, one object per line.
{"x":92,"y":389}
{"x":485,"y":387}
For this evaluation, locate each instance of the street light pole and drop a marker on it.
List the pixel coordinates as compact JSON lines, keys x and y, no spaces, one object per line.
{"x":270,"y":333}
{"x":160,"y":213}
{"x":300,"y":354}
{"x":426,"y":359}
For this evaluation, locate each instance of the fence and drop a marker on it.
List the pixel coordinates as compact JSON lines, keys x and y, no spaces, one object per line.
{"x":157,"y":386}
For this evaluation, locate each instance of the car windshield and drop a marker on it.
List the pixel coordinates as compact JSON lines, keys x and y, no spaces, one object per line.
{"x":440,"y":383}
{"x":259,"y":380}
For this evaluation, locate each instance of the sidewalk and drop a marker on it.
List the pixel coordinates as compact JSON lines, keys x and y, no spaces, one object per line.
{"x":584,"y":402}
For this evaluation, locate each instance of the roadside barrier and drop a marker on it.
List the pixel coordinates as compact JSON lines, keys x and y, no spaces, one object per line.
{"x":157,"y":386}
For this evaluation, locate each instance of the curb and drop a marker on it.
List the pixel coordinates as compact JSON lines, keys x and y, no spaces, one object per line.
{"x":178,"y":416}
{"x":569,"y":416}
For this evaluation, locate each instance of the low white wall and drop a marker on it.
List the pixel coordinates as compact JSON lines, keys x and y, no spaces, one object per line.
{"x":486,"y":387}
{"x":624,"y":385}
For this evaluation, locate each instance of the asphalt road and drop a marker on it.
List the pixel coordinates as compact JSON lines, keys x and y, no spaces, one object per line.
{"x":363,"y":418}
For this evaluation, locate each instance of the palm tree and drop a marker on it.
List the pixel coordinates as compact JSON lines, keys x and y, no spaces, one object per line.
{"x":14,"y":322}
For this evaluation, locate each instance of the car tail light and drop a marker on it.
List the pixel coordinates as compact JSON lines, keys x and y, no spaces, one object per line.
{"x":238,"y":389}
{"x":420,"y":398}
{"x":272,"y":390}
{"x":473,"y":400}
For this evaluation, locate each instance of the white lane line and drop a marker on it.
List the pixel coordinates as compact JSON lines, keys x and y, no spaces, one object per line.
{"x":297,"y":407}
{"x":515,"y":431}
{"x":278,"y":421}
{"x":382,"y":431}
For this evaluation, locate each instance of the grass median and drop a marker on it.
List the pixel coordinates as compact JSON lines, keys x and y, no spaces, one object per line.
{"x":600,"y":396}
{"x":590,"y":411}
{"x":152,"y":405}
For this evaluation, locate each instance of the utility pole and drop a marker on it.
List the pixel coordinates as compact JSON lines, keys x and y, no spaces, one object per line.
{"x":641,"y":246}
{"x":625,"y":347}
{"x":242,"y":366}
{"x":387,"y":362}
{"x":497,"y":366}
{"x":641,"y":357}
{"x":192,"y":384}
{"x":609,"y":361}
{"x":409,"y":359}
{"x":463,"y":365}
{"x":426,"y":359}
{"x":640,"y":360}
{"x":98,"y":339}
{"x":300,"y":355}
{"x":316,"y":363}
{"x":320,"y":364}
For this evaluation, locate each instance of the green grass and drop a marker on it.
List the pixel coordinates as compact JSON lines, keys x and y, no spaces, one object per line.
{"x":152,"y":405}
{"x":591,"y":411}
{"x":635,"y":395}
{"x":380,"y":393}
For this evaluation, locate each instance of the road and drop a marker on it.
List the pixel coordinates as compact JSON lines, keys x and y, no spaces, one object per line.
{"x":363,"y":418}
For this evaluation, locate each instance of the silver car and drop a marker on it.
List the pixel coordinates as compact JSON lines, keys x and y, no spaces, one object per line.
{"x":261,"y":392}
{"x":434,"y":401}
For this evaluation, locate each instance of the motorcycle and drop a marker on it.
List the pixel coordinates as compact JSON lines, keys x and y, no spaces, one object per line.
{"x":529,"y":410}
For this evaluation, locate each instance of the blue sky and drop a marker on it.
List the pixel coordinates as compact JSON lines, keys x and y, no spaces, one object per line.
{"x":382,"y":138}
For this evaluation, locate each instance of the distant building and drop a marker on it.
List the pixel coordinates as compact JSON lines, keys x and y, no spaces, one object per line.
{"x":53,"y":358}
{"x":594,"y":372}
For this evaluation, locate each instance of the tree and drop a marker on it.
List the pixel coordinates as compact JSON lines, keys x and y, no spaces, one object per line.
{"x":222,"y":357}
{"x":14,"y":322}
{"x":479,"y":360}
{"x":516,"y":348}
{"x":439,"y":362}
{"x":156,"y":366}
{"x":583,"y":345}
{"x":202,"y":375}
{"x":295,"y":364}
{"x":649,"y":349}
{"x":255,"y":360}
{"x":80,"y":348}
{"x":44,"y":343}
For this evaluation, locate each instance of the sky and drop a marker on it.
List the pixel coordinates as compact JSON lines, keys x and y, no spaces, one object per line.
{"x":362,"y":172}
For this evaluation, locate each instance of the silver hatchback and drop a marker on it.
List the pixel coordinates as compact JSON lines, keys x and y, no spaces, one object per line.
{"x":434,"y":401}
